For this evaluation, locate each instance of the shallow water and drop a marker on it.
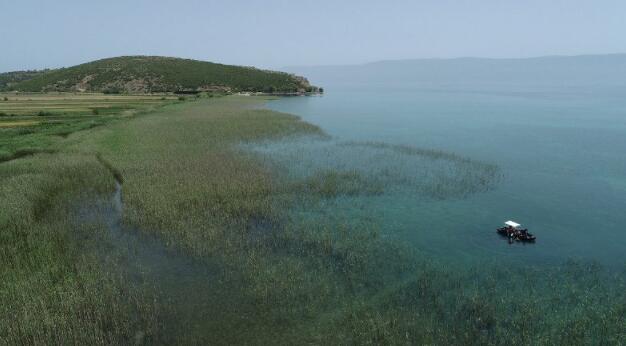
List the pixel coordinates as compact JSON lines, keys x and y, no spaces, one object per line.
{"x":183,"y":287}
{"x":561,"y":152}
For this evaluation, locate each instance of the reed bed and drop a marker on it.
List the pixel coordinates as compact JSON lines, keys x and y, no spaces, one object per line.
{"x":53,"y":291}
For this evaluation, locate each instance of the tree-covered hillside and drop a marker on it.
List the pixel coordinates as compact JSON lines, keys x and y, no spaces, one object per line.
{"x":8,"y":79}
{"x":135,"y":74}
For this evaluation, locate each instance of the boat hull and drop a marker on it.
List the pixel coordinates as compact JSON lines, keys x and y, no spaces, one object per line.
{"x":512,"y":234}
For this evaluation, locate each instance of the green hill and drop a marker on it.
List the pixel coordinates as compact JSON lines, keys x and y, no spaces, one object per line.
{"x":139,"y":74}
{"x":11,"y":78}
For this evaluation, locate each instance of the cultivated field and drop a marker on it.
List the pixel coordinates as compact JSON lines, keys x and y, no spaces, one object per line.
{"x":57,"y":104}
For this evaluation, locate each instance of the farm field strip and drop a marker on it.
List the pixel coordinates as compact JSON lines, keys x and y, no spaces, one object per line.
{"x":32,"y":104}
{"x":28,"y":104}
{"x":18,"y":123}
{"x":81,"y":96}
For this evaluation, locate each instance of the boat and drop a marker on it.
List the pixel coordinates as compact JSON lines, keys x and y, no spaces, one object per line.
{"x":514,"y":232}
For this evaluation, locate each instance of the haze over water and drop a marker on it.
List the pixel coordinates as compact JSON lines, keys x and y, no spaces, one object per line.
{"x":561,"y":149}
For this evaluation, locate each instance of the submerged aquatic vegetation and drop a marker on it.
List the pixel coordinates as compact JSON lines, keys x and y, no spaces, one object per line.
{"x":331,"y":168}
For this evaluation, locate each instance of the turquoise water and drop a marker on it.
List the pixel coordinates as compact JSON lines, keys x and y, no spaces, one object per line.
{"x":561,"y":153}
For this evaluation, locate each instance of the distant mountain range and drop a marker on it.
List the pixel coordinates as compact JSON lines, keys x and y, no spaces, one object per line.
{"x":549,"y":70}
{"x":140,"y":74}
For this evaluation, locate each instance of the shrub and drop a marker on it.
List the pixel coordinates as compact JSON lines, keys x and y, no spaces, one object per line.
{"x":43,"y":114}
{"x":6,"y":98}
{"x":181,"y":98}
{"x":95,"y":111}
{"x":3,"y":114}
{"x":111,"y":91}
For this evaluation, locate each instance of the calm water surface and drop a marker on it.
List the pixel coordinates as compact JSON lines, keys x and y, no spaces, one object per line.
{"x":562,"y":152}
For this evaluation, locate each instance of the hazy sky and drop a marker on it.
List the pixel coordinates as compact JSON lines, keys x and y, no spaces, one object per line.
{"x":275,"y":33}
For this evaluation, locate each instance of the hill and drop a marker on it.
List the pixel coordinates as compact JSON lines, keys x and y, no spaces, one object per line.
{"x":139,"y":74}
{"x":609,"y":69}
{"x":10,"y":78}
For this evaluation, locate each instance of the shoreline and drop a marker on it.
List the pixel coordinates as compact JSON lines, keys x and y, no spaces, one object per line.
{"x":187,"y":184}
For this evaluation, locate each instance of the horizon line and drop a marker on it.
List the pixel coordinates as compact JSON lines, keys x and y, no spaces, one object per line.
{"x":468,"y":57}
{"x":279,"y":68}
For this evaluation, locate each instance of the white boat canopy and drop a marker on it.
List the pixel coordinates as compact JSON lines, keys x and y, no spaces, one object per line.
{"x":512,"y":224}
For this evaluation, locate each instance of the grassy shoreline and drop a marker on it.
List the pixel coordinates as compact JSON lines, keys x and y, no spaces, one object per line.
{"x":229,"y":261}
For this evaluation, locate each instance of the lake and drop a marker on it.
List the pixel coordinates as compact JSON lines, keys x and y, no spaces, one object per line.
{"x":561,"y":152}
